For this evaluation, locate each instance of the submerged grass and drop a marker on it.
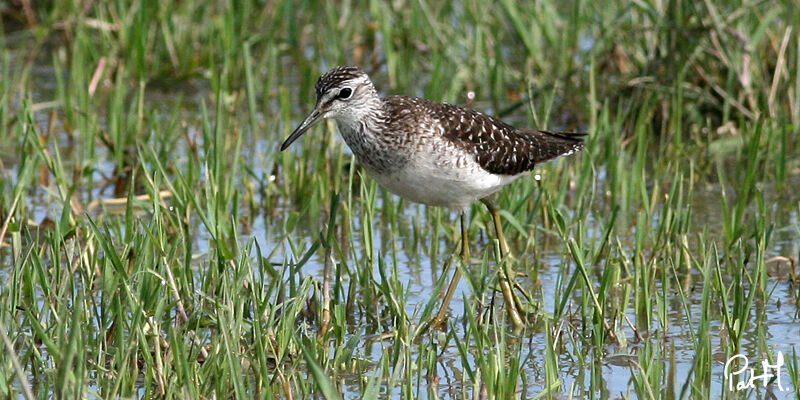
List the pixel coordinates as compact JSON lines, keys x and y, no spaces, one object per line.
{"x":154,"y":243}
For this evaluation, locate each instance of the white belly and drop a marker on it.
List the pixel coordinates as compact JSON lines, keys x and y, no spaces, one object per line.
{"x":446,"y":185}
{"x":427,"y":170}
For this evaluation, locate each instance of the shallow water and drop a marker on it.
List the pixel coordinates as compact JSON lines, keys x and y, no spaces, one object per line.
{"x":418,"y":272}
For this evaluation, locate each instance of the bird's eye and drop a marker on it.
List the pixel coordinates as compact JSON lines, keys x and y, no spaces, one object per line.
{"x":345,"y":93}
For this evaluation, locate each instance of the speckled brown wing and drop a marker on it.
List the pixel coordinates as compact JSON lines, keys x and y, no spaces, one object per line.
{"x":498,"y":147}
{"x":537,"y":147}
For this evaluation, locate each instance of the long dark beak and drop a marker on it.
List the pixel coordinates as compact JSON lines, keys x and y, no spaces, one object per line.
{"x":310,"y":120}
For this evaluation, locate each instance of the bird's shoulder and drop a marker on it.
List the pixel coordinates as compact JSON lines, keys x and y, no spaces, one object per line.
{"x":463,"y":125}
{"x":498,"y":147}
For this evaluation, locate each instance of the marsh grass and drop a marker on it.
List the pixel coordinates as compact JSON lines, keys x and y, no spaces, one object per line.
{"x":645,"y":256}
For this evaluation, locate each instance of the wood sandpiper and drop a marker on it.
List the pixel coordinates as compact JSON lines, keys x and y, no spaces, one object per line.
{"x":433,"y":153}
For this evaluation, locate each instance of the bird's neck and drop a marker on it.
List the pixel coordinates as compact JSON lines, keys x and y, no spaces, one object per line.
{"x":363,"y":122}
{"x":367,"y":136}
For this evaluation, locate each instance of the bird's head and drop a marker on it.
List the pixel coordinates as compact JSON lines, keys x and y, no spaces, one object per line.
{"x":345,"y":94}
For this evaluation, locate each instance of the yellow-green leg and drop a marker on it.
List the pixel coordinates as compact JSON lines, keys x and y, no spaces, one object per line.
{"x":448,"y":295}
{"x":508,"y":277}
{"x":498,"y":224}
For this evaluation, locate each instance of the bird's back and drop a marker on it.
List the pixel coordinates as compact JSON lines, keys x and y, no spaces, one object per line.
{"x":496,"y":146}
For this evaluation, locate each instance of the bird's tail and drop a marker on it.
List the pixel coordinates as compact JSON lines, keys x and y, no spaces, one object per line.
{"x":555,"y":144}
